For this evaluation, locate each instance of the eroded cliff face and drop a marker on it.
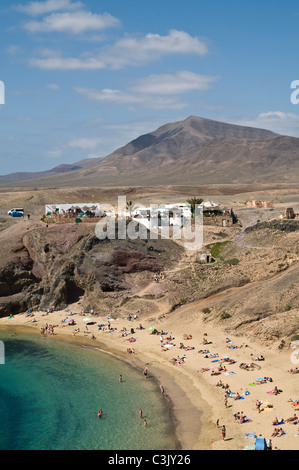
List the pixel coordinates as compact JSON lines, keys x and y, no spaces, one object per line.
{"x":61,"y":264}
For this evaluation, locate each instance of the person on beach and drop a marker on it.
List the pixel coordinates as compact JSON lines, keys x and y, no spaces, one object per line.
{"x":120,"y":378}
{"x":223,"y":432}
{"x":145,"y":372}
{"x":140,"y":413}
{"x":145,"y":423}
{"x":269,"y":444}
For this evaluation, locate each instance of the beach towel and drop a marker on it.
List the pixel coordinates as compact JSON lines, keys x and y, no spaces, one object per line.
{"x":248,"y":419}
{"x":260,"y":444}
{"x":249,"y":448}
{"x":233,"y":395}
{"x":250,"y":435}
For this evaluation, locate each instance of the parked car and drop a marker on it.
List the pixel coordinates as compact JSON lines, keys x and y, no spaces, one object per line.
{"x":16,"y":210}
{"x":17,"y":214}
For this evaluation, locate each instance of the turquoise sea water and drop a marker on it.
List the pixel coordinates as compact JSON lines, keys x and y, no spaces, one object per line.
{"x":50,"y":391}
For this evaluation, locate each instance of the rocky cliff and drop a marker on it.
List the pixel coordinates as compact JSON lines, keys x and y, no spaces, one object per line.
{"x":61,"y":264}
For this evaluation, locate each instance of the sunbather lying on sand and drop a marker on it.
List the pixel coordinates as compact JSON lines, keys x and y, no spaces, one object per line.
{"x":293,"y":418}
{"x":278,"y":432}
{"x":275,"y":432}
{"x":277,"y":421}
{"x":205,"y":341}
{"x":249,"y":366}
{"x":259,"y":358}
{"x":187,"y":336}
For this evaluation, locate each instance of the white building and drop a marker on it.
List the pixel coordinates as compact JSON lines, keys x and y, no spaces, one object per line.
{"x":64,"y":208}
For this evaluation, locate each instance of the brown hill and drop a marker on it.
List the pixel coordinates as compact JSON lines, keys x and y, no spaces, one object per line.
{"x":193,"y":151}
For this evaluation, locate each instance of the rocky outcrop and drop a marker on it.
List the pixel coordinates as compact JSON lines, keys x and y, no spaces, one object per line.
{"x":282,"y":225}
{"x":60,"y":265}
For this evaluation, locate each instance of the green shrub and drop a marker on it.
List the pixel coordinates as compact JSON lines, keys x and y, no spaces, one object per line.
{"x":295,"y":338}
{"x":232,"y":262}
{"x":206,"y":310}
{"x":216,"y":248}
{"x":224,"y":316}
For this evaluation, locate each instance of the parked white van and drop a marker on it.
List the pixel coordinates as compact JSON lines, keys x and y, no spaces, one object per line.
{"x":15,"y":209}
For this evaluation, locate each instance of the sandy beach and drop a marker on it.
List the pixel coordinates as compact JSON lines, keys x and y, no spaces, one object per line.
{"x":190,"y":374}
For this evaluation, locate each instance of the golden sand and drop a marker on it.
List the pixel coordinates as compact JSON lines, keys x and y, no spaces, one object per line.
{"x":196,"y":399}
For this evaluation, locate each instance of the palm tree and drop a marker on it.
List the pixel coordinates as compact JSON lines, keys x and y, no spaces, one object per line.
{"x":194,"y":201}
{"x":129,"y":207}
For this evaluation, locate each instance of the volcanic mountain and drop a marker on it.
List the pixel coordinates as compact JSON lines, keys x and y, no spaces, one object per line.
{"x":188,"y":152}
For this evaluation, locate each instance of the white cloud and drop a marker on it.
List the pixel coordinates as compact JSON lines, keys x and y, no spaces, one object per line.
{"x":55,"y":153}
{"x":130,"y":99}
{"x":13,"y":50}
{"x":174,"y":42}
{"x":55,"y":61}
{"x":72,"y":22}
{"x":41,"y":8}
{"x":127,"y":51}
{"x":139,"y":50}
{"x":53,"y":86}
{"x":275,"y":121}
{"x":169,"y":84}
{"x":155,"y":91}
{"x":85,"y":143}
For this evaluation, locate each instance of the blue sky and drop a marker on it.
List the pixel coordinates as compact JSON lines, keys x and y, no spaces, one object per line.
{"x":84,"y":77}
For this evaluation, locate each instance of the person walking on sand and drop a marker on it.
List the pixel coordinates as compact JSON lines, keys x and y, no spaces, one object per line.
{"x":140,"y":413}
{"x":223,"y":432}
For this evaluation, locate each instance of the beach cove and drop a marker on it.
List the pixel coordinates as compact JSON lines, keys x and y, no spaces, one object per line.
{"x":193,"y":384}
{"x":51,"y":393}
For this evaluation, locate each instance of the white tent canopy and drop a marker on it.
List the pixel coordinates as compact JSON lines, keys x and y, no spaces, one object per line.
{"x":63,"y":208}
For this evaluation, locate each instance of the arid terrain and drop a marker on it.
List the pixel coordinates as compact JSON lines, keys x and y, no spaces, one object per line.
{"x":249,"y":293}
{"x":189,"y":152}
{"x":250,"y":288}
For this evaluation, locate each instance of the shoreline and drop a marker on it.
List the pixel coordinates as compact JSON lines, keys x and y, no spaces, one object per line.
{"x":177,"y":393}
{"x":186,"y":422}
{"x":195,"y":403}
